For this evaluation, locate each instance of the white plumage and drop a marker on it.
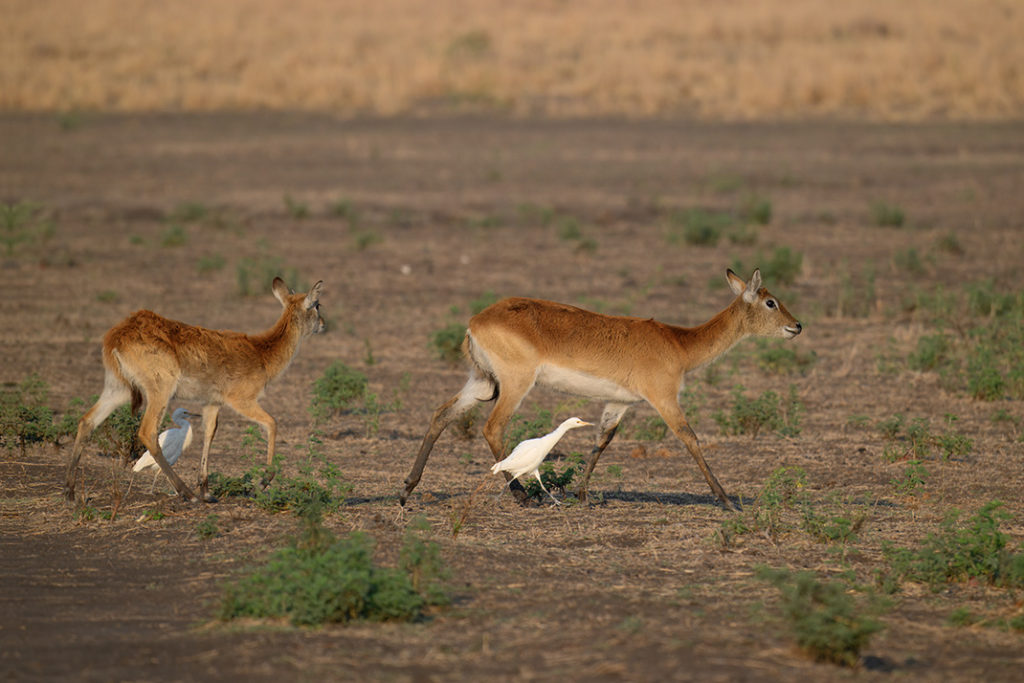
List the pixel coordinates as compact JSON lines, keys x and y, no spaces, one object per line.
{"x":173,"y":443}
{"x":528,"y":455}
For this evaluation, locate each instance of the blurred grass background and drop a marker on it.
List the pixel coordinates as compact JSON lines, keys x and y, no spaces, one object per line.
{"x":903,"y":60}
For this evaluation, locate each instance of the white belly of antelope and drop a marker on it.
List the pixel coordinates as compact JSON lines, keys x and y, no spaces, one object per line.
{"x":583,"y":384}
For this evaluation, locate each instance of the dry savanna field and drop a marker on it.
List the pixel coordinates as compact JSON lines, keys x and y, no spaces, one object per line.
{"x":477,"y":151}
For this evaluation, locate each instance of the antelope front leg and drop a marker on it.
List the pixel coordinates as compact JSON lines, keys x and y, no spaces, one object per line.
{"x":254,"y":412}
{"x":676,"y":421}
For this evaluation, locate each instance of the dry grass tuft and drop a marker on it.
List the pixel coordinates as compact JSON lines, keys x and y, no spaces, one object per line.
{"x":748,"y":59}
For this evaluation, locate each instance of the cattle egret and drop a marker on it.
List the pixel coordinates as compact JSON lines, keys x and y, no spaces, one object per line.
{"x":528,"y":455}
{"x":173,"y":443}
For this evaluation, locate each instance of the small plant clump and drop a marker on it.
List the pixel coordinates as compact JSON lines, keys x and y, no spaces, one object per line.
{"x":977,"y":344}
{"x":336,"y":390}
{"x":887,"y":215}
{"x":915,"y":440}
{"x":23,"y":223}
{"x":319,"y":482}
{"x":447,"y":342}
{"x":827,"y":621}
{"x":975,"y":551}
{"x":768,"y":411}
{"x":26,"y":417}
{"x":321,"y":579}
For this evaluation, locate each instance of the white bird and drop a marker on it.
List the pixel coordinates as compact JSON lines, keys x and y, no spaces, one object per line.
{"x":528,"y":455}
{"x":173,"y":443}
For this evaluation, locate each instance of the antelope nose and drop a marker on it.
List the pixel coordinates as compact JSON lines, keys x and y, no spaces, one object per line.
{"x":799,"y":328}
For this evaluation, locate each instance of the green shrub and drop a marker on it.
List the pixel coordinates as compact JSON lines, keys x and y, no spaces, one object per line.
{"x":296,"y":209}
{"x":569,"y":228}
{"x":827,"y":622}
{"x":768,"y":411}
{"x":319,"y":483}
{"x":447,"y":342}
{"x":781,"y":358}
{"x":174,"y":236}
{"x":209,"y":263}
{"x":207,"y":528}
{"x":957,"y":553}
{"x":553,"y":479}
{"x":188,"y":212}
{"x":887,"y":215}
{"x":319,"y":579}
{"x":336,"y":390}
{"x":481,"y":302}
{"x":757,"y":209}
{"x":698,"y":227}
{"x":916,"y":440}
{"x":781,"y":268}
{"x":651,"y":428}
{"x":23,"y":223}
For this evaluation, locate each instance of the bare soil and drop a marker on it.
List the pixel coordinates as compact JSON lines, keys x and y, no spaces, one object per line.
{"x":638,"y":585}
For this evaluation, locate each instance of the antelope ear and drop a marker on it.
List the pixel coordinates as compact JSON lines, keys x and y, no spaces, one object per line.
{"x":736,"y":283}
{"x":753,"y":287}
{"x":280,"y":290}
{"x":313,"y":297}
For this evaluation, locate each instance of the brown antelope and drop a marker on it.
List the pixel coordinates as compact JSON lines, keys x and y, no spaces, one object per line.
{"x":518,"y":343}
{"x":148,"y":357}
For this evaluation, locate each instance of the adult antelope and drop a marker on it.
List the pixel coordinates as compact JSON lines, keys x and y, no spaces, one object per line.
{"x":518,"y":343}
{"x":149,"y":358}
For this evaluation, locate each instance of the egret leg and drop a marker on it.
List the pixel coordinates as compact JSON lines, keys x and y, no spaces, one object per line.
{"x":537,"y":474}
{"x":506,"y":487}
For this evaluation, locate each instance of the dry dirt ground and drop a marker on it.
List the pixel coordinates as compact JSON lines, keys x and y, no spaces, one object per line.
{"x":637,"y":586}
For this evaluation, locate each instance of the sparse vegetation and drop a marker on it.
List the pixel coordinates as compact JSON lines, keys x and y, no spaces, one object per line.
{"x":826,"y":620}
{"x":887,"y":215}
{"x":320,"y":579}
{"x":255,"y":275}
{"x":319,"y":482}
{"x":447,"y":342}
{"x":296,"y":208}
{"x":23,"y":223}
{"x":26,"y":417}
{"x":768,"y":411}
{"x":977,"y":550}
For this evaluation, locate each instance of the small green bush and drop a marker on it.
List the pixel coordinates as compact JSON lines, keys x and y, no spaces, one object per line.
{"x":553,"y":479}
{"x":23,"y":223}
{"x":447,"y":342}
{"x":782,"y":359}
{"x":319,"y":482}
{"x":319,"y":579}
{"x":768,"y":411}
{"x":174,"y":236}
{"x":207,"y":528}
{"x":209,"y":263}
{"x":782,"y":267}
{"x":336,"y":390}
{"x":887,"y":215}
{"x":957,"y":553}
{"x":916,"y":440}
{"x":296,"y":208}
{"x":698,"y":227}
{"x":827,"y":621}
{"x":757,"y":209}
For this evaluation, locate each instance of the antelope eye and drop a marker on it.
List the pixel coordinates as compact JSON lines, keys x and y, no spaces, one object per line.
{"x":770,"y":303}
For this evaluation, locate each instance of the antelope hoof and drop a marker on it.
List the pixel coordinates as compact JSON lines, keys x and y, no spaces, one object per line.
{"x":209,"y":497}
